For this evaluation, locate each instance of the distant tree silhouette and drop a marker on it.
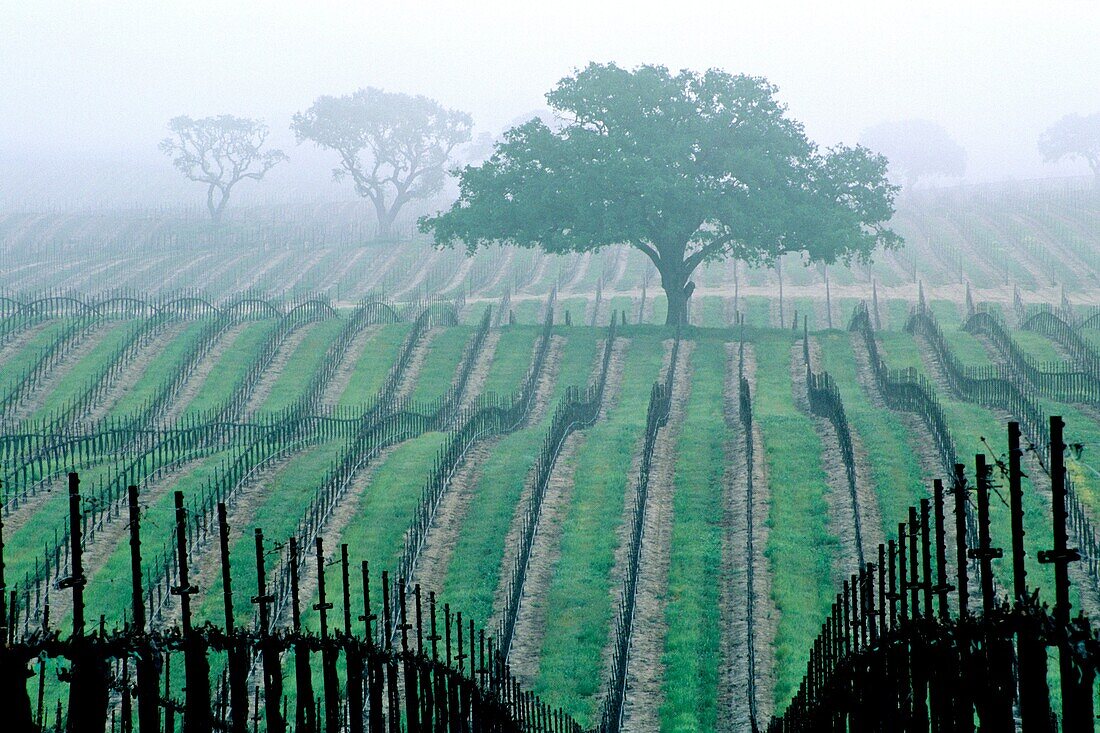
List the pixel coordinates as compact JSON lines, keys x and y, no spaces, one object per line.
{"x":1073,"y":137}
{"x":393,"y":146}
{"x":917,"y":150}
{"x":220,"y":152}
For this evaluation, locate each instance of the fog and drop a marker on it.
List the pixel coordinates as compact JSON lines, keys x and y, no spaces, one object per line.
{"x":89,"y":87}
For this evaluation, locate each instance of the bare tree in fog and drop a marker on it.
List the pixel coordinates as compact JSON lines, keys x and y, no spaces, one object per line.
{"x":393,"y":146}
{"x":220,"y":152}
{"x":917,"y":150}
{"x":686,"y":167}
{"x":1073,"y":137}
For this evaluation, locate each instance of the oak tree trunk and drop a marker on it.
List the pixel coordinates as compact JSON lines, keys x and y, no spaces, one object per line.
{"x":678,"y":289}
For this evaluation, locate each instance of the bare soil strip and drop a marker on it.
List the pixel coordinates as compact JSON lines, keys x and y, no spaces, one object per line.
{"x":734,"y":712}
{"x":338,"y":275}
{"x":215,"y":272}
{"x":839,"y":500}
{"x":197,"y":378}
{"x":17,"y":340}
{"x":134,"y":370}
{"x":765,"y":616}
{"x":278,"y":364}
{"x":271,"y":264}
{"x":579,"y":273}
{"x":346,"y":368}
{"x":32,"y":401}
{"x":645,"y":668}
{"x":546,"y":548}
{"x":241,"y":508}
{"x":342,"y":515}
{"x":475,"y":385}
{"x":502,"y":272}
{"x":870,"y":515}
{"x":927,"y":460}
{"x":540,"y":270}
{"x":450,"y":516}
{"x":621,"y":262}
{"x":419,"y":276}
{"x":458,"y":280}
{"x":416,"y":361}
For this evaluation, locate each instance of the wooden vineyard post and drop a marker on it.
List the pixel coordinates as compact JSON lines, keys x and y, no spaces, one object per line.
{"x":328,"y":652}
{"x":995,"y":696}
{"x":305,"y":714}
{"x":13,"y":675}
{"x":238,"y":653}
{"x":89,"y":677}
{"x":984,"y":553}
{"x":960,"y":491}
{"x":269,"y":651}
{"x":197,"y":714}
{"x":147,"y":663}
{"x":374,"y":667}
{"x":1032,"y":665}
{"x":1076,"y":700}
{"x":353,"y":652}
{"x":412,"y":698}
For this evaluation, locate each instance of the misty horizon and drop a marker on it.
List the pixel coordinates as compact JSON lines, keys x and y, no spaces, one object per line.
{"x":89,"y":92}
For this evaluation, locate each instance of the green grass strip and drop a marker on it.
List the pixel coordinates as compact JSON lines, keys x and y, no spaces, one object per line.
{"x":229,"y":371}
{"x":25,"y":357}
{"x":159,"y":369}
{"x":511,"y":360}
{"x":292,"y":382}
{"x":283,"y":500}
{"x":374,"y":364}
{"x":444,"y":355}
{"x":579,"y":602}
{"x":800,"y":544}
{"x":692,"y":655}
{"x":73,"y":383}
{"x":475,"y":566}
{"x":891,"y":449}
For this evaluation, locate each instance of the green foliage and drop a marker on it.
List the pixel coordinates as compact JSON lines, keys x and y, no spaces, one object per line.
{"x":369,"y":373}
{"x":687,"y":167}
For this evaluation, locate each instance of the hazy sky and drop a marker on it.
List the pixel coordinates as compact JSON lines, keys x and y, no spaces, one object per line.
{"x":100,"y":79}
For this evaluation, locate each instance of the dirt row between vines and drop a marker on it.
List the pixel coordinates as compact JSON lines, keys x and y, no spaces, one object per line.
{"x":135,"y":368}
{"x":32,"y":401}
{"x":450,"y":516}
{"x":197,"y":378}
{"x":99,"y":549}
{"x":841,"y":520}
{"x":645,"y":668}
{"x":764,"y":614}
{"x":242,"y":508}
{"x":734,"y":711}
{"x":546,"y":548}
{"x":349,"y":360}
{"x":870,"y":514}
{"x":264,"y":386}
{"x":19,"y":339}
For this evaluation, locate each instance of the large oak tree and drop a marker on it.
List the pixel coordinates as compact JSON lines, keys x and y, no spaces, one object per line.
{"x":220,"y":152}
{"x":394,"y":146}
{"x":687,"y":167}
